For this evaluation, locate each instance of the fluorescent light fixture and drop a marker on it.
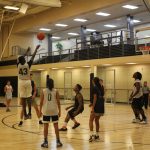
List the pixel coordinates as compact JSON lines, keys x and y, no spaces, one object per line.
{"x":80,"y":20}
{"x":91,"y":30}
{"x":147,"y":36}
{"x":40,"y":69}
{"x":69,"y":67}
{"x":130,"y":7}
{"x":71,"y":33}
{"x":102,"y":14}
{"x":107,"y":65}
{"x":61,"y":25}
{"x":110,"y":25}
{"x":136,"y":21}
{"x":44,"y":29}
{"x":56,"y":37}
{"x":54,"y":68}
{"x":131,"y":63}
{"x":86,"y":66}
{"x":11,"y":7}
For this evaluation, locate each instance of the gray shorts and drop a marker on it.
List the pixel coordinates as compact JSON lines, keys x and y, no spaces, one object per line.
{"x":8,"y":96}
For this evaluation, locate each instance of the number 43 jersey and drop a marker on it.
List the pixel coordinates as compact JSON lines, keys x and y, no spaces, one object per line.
{"x":24,"y":71}
{"x":50,"y":107}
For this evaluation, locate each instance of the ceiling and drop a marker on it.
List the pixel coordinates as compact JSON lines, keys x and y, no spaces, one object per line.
{"x":34,"y":6}
{"x":117,"y":17}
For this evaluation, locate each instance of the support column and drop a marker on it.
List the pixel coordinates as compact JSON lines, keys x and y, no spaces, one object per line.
{"x":130,"y":31}
{"x":83,"y":37}
{"x":49,"y":44}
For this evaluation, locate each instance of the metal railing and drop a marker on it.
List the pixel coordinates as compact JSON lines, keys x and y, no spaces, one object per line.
{"x":111,"y":95}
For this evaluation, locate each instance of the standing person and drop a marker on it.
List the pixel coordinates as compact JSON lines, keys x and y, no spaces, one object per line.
{"x":25,"y":88}
{"x":145,"y":94}
{"x":32,"y":101}
{"x":8,"y":95}
{"x":51,"y":111}
{"x":77,"y":108}
{"x":136,"y":98}
{"x":97,"y":109}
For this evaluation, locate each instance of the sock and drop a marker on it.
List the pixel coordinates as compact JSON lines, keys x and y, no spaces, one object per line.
{"x":91,"y":133}
{"x":74,"y":121}
{"x":21,"y":120}
{"x":65,"y":124}
{"x":97,"y":133}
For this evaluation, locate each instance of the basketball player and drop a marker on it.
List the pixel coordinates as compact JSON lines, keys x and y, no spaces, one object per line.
{"x":25,"y":88}
{"x":77,"y":108}
{"x":137,"y":99}
{"x":32,"y":101}
{"x":51,"y":111}
{"x":97,"y":108}
{"x":146,"y":92}
{"x":8,"y":95}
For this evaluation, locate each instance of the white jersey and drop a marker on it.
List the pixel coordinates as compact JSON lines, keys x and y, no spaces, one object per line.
{"x":134,"y":90}
{"x":24,"y":71}
{"x":50,"y":107}
{"x":8,"y":89}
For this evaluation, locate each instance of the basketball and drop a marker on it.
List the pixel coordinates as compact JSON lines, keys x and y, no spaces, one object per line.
{"x":41,"y":36}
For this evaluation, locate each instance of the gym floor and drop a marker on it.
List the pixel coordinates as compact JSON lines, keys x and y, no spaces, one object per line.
{"x":117,"y":132}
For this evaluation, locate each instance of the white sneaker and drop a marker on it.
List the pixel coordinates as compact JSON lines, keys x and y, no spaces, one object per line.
{"x":143,"y":121}
{"x":136,"y":120}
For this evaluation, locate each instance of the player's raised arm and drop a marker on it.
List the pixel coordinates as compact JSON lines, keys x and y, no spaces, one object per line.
{"x":33,"y":55}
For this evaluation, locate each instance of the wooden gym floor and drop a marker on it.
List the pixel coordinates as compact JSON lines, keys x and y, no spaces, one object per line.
{"x":116,"y":132}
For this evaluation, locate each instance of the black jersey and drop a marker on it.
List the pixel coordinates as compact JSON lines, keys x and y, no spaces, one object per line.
{"x":76,"y":104}
{"x":99,"y":106}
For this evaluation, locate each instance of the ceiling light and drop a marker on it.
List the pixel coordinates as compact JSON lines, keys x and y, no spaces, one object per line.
{"x":147,"y":36}
{"x":107,"y":65}
{"x":91,"y":30}
{"x":131,"y":63}
{"x":102,"y":14}
{"x":61,"y":25}
{"x":110,"y":26}
{"x":40,"y":69}
{"x":69,"y":67}
{"x":44,"y":29}
{"x":86,"y":66}
{"x":56,"y":37}
{"x":73,"y":33}
{"x":136,"y":21}
{"x":11,"y":7}
{"x":54,"y":68}
{"x":80,"y":20}
{"x":130,"y":7}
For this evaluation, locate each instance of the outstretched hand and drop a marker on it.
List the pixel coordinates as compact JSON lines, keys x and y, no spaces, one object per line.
{"x":38,"y":46}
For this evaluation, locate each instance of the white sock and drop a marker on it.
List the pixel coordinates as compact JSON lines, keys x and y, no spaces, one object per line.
{"x":65,"y":124}
{"x":97,"y":133}
{"x":91,"y":133}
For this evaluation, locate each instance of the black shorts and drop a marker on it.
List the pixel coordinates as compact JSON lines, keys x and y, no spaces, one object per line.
{"x":99,"y":106}
{"x":72,"y":112}
{"x":137,"y":103}
{"x":48,"y":119}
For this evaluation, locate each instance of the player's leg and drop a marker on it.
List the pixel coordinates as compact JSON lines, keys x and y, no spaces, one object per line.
{"x":92,"y":117}
{"x":76,"y":123}
{"x":135,"y":111}
{"x":7,"y":104}
{"x":55,"y":123}
{"x":97,"y":118}
{"x":45,"y":143}
{"x":29,"y":103}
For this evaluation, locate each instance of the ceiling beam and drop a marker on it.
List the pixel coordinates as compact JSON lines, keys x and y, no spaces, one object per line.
{"x":70,"y":9}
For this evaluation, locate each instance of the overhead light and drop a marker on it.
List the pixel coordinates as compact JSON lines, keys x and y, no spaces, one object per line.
{"x":80,"y":20}
{"x":54,"y":68}
{"x":110,"y":25}
{"x":11,"y":7}
{"x":40,"y":69}
{"x":91,"y":30}
{"x":23,"y":8}
{"x":56,"y":37}
{"x":44,"y":29}
{"x":147,"y":36}
{"x":69,"y":67}
{"x":107,"y":65}
{"x":71,"y":33}
{"x":136,"y":21}
{"x":131,"y":63}
{"x":61,"y":25}
{"x":130,"y":7}
{"x":102,"y":14}
{"x":86,"y":66}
